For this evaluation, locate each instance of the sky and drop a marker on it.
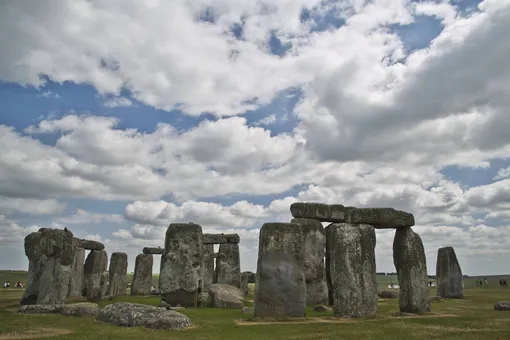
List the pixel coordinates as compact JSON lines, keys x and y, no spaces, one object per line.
{"x":118,"y":118}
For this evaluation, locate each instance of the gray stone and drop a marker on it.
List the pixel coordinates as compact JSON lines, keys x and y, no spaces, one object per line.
{"x":388,"y":294}
{"x":321,"y":308}
{"x":244,"y":282}
{"x":318,"y":211}
{"x":450,"y":283}
{"x":313,"y":247}
{"x":81,"y":309}
{"x":137,"y":315}
{"x":352,"y":270}
{"x":502,"y":305}
{"x":153,"y":251}
{"x":40,"y":309}
{"x":380,"y":218}
{"x":96,"y":266}
{"x":411,"y":264}
{"x":142,"y":277}
{"x":180,"y":279}
{"x":118,"y":274}
{"x":435,"y":299}
{"x":247,"y":310}
{"x":76,"y":279}
{"x":228,"y":267}
{"x":280,"y":289}
{"x":327,"y":264}
{"x":225,"y":296}
{"x":204,"y":299}
{"x":88,"y":244}
{"x":50,"y":253}
{"x":208,"y":265}
{"x":220,"y":238}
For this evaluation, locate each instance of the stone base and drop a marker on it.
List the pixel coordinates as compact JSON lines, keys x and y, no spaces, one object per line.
{"x":182,"y":298}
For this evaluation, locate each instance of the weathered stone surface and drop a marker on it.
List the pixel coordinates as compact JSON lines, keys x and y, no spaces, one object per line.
{"x":138,"y":315}
{"x":313,"y":246}
{"x":228,"y":267}
{"x":352,"y":270}
{"x":118,"y":274}
{"x":204,"y":299}
{"x":96,"y":266}
{"x":318,"y":211}
{"x":220,"y":238}
{"x":153,"y":251}
{"x":502,"y":305}
{"x":142,"y":277}
{"x":411,"y":264}
{"x":40,"y":309}
{"x":50,"y":253}
{"x":321,"y":308}
{"x":244,"y":282}
{"x":208,"y":269}
{"x":88,"y":244}
{"x":180,"y":279}
{"x":81,"y":309}
{"x":388,"y":294}
{"x":280,"y":289}
{"x":247,"y":310}
{"x":327,"y":264}
{"x":435,"y":299}
{"x":380,"y":218}
{"x":76,"y":279}
{"x":104,"y":283}
{"x":450,"y":283}
{"x":225,"y":296}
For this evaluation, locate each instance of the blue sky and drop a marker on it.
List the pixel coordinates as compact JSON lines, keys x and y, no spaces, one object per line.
{"x":228,"y":114}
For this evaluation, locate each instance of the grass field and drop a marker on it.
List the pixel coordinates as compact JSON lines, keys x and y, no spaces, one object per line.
{"x":470,"y":318}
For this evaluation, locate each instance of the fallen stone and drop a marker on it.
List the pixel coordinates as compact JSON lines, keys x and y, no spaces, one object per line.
{"x":204,"y":299}
{"x":118,"y":274}
{"x":450,"y":283}
{"x":225,"y":296}
{"x":208,"y":269}
{"x":87,"y":244}
{"x":352,"y":270}
{"x":281,"y":288}
{"x":228,"y":267}
{"x":502,"y":305}
{"x":318,"y":211}
{"x":388,"y":294}
{"x":435,"y":299}
{"x":220,"y":238}
{"x":77,"y":274}
{"x":247,"y":310}
{"x":142,"y":277}
{"x":155,"y":292}
{"x":411,"y":264}
{"x":153,"y":251}
{"x":380,"y":218}
{"x":137,"y":315}
{"x":244,"y":282}
{"x":50,"y":253}
{"x":313,"y":245}
{"x":81,"y":309}
{"x":321,"y":308}
{"x":95,"y":269}
{"x":181,"y":275}
{"x":40,"y":309}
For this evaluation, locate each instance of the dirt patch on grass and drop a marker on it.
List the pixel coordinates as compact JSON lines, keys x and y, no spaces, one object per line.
{"x":428,"y":315}
{"x":293,"y":321}
{"x":437,"y":328}
{"x":35,"y":333}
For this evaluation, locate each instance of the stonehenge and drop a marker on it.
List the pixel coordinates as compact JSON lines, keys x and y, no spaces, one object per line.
{"x":142,"y":277}
{"x":117,"y":274}
{"x":450,"y":282}
{"x":77,"y":273}
{"x":95,"y":275}
{"x":228,"y":267}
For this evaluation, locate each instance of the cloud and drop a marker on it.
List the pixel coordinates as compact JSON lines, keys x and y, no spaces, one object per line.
{"x":49,"y":94}
{"x":86,"y":217}
{"x":267,"y":120}
{"x":503,"y":173}
{"x":9,"y":205}
{"x":118,"y":102}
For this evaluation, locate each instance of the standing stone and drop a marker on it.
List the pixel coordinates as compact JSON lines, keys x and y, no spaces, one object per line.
{"x":411,"y":264}
{"x":228,"y":268}
{"x":280,"y":288}
{"x":117,"y":274}
{"x":142,"y":277}
{"x":96,"y":266}
{"x":77,"y":267}
{"x":208,"y":265}
{"x":180,"y":279}
{"x":329,"y":247}
{"x":313,"y":247}
{"x":450,"y":283}
{"x":244,"y":282}
{"x":50,"y":253}
{"x":352,"y":270}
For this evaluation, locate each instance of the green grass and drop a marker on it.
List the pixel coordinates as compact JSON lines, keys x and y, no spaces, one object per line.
{"x":470,"y":318}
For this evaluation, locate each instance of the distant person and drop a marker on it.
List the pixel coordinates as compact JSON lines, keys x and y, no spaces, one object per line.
{"x":504,"y":283}
{"x":486,"y":282}
{"x":5,"y":284}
